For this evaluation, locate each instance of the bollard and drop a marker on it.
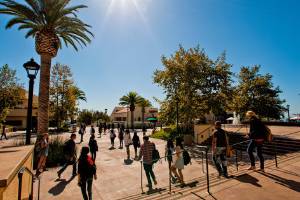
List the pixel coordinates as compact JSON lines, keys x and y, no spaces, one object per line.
{"x":236,"y":160}
{"x":142,"y":177}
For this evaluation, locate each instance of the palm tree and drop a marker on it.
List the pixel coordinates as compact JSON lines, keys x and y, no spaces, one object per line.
{"x":144,"y":103}
{"x":131,"y":100}
{"x":50,"y":23}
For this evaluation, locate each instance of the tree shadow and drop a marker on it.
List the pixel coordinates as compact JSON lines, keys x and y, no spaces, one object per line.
{"x":60,"y":187}
{"x":246,"y":178}
{"x":291,"y":184}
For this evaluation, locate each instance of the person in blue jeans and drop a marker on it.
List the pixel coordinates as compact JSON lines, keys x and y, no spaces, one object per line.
{"x":86,"y":173}
{"x":257,"y":136}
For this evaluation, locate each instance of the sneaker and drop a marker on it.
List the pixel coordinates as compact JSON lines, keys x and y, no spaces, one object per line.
{"x":173,"y":180}
{"x":261,"y":170}
{"x":59,"y":175}
{"x":155,"y":182}
{"x":252,"y":168}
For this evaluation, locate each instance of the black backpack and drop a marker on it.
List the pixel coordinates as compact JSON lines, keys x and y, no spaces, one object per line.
{"x":186,"y":157}
{"x":155,"y":155}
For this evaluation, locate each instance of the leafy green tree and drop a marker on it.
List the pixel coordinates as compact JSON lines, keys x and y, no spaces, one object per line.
{"x":50,"y":23}
{"x":10,"y":91}
{"x":256,"y":92}
{"x":131,"y":99}
{"x":85,"y":116}
{"x":64,"y":94}
{"x":144,"y":103}
{"x":194,"y":82}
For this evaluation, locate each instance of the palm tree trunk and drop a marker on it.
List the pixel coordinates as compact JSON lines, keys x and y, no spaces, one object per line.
{"x":43,"y":111}
{"x":132,"y":119}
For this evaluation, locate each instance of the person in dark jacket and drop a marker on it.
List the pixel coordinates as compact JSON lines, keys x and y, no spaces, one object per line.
{"x":136,"y":143}
{"x":100,"y":129}
{"x":86,"y":173}
{"x":93,"y":147}
{"x":121,"y":138}
{"x":219,"y":146}
{"x":257,"y":136}
{"x":70,"y":155}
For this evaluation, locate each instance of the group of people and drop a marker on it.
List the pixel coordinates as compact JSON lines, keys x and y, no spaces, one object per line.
{"x":174,"y":154}
{"x":221,"y":149}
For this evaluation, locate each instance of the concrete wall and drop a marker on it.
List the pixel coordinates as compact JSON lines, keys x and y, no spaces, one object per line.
{"x":202,"y":132}
{"x":10,"y":191}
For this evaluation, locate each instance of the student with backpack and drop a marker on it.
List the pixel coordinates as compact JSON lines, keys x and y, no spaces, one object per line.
{"x":257,"y":134}
{"x":70,"y":155}
{"x":178,"y":165}
{"x":86,"y":173}
{"x":93,"y":147}
{"x":220,"y":143}
{"x":136,"y":144}
{"x":146,"y":152}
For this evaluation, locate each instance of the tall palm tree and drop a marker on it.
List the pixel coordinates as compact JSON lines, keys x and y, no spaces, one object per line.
{"x":49,"y":22}
{"x":144,"y":104}
{"x":131,"y":99}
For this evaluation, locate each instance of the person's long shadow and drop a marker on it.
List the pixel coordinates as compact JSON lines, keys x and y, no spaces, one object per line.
{"x":60,"y":187}
{"x":246,"y":178}
{"x":293,"y":185}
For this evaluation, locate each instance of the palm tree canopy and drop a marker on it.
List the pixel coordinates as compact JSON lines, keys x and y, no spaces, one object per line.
{"x":79,"y":94}
{"x":145,"y":103}
{"x":131,"y":99}
{"x":51,"y":17}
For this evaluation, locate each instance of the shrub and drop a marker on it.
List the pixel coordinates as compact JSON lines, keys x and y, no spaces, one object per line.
{"x":163,"y":135}
{"x":55,"y":155}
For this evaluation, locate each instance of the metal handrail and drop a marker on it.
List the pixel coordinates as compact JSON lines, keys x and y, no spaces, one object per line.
{"x":20,"y":177}
{"x":170,"y":188}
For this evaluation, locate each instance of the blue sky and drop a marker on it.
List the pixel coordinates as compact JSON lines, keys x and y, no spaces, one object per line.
{"x":132,"y":35}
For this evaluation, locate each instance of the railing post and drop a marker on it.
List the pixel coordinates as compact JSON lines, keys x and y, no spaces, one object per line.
{"x":236,"y":160}
{"x":142,"y":177}
{"x":275,"y":151}
{"x":20,"y":177}
{"x":170,"y":188}
{"x":39,"y":187}
{"x":207,"y":175}
{"x":202,"y":156}
{"x":31,"y":193}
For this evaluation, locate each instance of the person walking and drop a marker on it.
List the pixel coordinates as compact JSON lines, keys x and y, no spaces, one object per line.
{"x":70,"y":156}
{"x":43,"y":153}
{"x":257,"y":135}
{"x":92,"y":131}
{"x":128,"y":142}
{"x":220,"y":143}
{"x":178,"y":165}
{"x":100,"y":129}
{"x":121,"y":138}
{"x":93,"y":147}
{"x":4,"y":132}
{"x":86,"y":173}
{"x":136,"y":144}
{"x":169,"y":150}
{"x":146,"y":152}
{"x":81,"y":132}
{"x":104,"y":128}
{"x":112,"y":138}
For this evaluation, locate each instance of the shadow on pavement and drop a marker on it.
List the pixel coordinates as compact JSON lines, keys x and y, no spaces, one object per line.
{"x":291,"y":184}
{"x":247,"y":178}
{"x":60,"y":187}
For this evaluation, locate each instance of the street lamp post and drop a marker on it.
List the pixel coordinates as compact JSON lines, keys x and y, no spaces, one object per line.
{"x":288,"y":111}
{"x":32,"y":69}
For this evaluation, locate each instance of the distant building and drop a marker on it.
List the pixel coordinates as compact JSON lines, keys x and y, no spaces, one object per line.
{"x":18,"y":116}
{"x":123,"y":114}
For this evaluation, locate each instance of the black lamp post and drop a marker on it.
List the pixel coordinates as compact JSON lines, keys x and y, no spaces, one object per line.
{"x":288,"y":111}
{"x":32,"y":69}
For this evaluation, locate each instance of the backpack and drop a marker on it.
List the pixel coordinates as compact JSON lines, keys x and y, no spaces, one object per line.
{"x":186,"y":157}
{"x":93,"y":130}
{"x":155,"y":155}
{"x":269,"y":135}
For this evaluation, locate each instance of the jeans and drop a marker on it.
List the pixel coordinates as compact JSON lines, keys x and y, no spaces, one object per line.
{"x":149,"y":173}
{"x":93,"y":154}
{"x":250,"y":150}
{"x":220,"y":161}
{"x":81,"y":137}
{"x":86,"y":186}
{"x":65,"y":167}
{"x":112,"y":141}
